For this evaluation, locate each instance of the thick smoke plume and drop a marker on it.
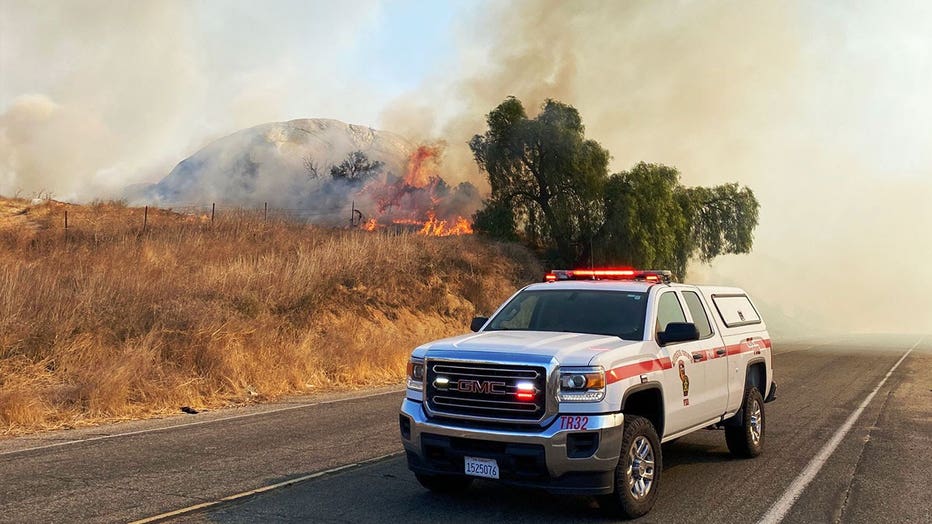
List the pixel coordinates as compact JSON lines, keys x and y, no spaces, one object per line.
{"x":822,"y":109}
{"x":99,"y":94}
{"x":87,"y":101}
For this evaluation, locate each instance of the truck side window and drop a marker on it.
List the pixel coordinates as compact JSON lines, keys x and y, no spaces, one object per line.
{"x":700,"y":318}
{"x":669,"y":310}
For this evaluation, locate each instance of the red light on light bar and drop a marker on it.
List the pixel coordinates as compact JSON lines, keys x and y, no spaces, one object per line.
{"x":603,"y":272}
{"x":524,"y":396}
{"x":610,"y":272}
{"x":648,"y":275}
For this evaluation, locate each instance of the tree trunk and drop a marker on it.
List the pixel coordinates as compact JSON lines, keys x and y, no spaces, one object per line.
{"x":564,"y":246}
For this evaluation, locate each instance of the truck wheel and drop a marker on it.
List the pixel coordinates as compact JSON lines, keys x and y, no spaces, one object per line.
{"x":444,"y":483}
{"x":637,"y":476}
{"x":747,"y":440}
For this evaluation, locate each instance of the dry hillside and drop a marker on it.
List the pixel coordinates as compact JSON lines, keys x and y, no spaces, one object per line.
{"x":105,"y":321}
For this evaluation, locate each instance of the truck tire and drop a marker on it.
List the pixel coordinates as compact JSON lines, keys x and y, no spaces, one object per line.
{"x":747,"y":439}
{"x":637,"y":475}
{"x":444,"y":483}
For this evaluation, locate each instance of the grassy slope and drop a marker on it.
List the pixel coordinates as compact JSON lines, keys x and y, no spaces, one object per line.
{"x":105,"y":322}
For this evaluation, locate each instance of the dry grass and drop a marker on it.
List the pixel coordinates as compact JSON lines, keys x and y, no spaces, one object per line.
{"x":106,"y":322}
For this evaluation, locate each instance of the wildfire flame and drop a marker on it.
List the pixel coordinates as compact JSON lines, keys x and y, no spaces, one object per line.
{"x":423,"y":166}
{"x":441,"y":228}
{"x":407,"y":222}
{"x":419,"y":181}
{"x":414,"y":200}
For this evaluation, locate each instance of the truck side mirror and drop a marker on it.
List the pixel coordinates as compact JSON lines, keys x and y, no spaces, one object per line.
{"x":678,"y":332}
{"x":477,"y":323}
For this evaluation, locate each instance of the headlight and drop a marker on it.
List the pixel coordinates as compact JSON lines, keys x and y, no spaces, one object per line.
{"x":416,"y":374}
{"x":581,"y":384}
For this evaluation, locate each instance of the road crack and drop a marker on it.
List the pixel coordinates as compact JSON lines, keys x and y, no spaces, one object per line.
{"x":839,"y":513}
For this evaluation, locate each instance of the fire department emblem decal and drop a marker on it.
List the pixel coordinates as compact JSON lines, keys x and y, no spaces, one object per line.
{"x":681,"y":358}
{"x":684,"y":378}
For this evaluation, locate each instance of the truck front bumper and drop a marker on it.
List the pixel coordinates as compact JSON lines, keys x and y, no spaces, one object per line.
{"x":580,"y":462}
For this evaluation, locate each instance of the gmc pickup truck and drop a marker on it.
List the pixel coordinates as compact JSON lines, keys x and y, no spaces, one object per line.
{"x":573,"y":384}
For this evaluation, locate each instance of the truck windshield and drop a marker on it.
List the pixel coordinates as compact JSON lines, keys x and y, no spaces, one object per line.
{"x":614,"y":313}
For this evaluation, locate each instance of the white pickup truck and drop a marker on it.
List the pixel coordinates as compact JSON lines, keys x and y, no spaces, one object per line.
{"x":573,"y":384}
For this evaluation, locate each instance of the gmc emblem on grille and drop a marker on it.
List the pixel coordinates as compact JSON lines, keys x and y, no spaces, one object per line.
{"x":485,"y":386}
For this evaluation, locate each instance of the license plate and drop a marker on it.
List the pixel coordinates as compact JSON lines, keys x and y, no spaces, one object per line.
{"x":481,"y":467}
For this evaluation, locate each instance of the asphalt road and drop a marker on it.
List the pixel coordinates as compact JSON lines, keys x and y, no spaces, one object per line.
{"x":880,"y":471}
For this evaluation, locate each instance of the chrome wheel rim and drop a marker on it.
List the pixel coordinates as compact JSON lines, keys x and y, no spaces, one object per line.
{"x":756,"y":423}
{"x":640,"y":474}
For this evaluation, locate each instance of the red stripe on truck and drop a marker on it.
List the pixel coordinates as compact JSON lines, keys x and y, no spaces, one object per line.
{"x":630,"y":370}
{"x":660,"y":364}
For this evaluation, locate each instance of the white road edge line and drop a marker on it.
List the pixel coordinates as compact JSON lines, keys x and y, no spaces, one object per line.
{"x":198,"y":423}
{"x":263,"y":489}
{"x":781,"y":507}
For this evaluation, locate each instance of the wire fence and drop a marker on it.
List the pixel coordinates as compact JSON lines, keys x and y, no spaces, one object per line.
{"x":341,"y":215}
{"x":329,"y":214}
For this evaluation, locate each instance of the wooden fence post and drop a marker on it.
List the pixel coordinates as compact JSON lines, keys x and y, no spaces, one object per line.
{"x":213,"y":209}
{"x":145,"y":219}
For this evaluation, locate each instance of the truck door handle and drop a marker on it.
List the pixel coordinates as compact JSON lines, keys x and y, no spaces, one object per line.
{"x":697,"y":357}
{"x":720,"y":351}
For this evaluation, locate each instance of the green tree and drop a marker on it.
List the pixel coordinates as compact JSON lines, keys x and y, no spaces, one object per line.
{"x":546,"y":173}
{"x":722,"y":219}
{"x":653,"y":221}
{"x":645,"y":224}
{"x":550,"y":187}
{"x":355,"y":168}
{"x":496,"y":219}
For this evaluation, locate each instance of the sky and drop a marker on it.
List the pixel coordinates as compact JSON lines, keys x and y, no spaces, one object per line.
{"x":822,"y":108}
{"x":148,"y":83}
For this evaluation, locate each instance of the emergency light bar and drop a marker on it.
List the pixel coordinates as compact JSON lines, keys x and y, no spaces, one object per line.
{"x":647,"y":275}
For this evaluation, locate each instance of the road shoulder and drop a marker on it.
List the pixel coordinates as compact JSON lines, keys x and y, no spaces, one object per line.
{"x":65,"y":437}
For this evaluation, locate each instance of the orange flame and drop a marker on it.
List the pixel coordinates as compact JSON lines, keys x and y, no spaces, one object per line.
{"x":442,"y":228}
{"x":404,"y":202}
{"x":423,"y":166}
{"x":407,"y":222}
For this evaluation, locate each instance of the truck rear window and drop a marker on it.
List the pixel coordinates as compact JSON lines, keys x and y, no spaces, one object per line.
{"x":613,"y":313}
{"x":736,"y":310}
{"x":697,"y":310}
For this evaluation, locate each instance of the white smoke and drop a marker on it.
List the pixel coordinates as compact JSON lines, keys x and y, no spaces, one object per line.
{"x":823,"y":109}
{"x":99,"y":94}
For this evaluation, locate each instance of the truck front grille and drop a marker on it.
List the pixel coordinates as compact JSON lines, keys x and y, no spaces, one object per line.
{"x":486,"y":391}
